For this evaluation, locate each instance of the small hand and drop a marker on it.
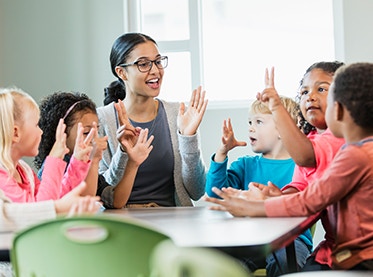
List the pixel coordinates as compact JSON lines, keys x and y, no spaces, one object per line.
{"x":189,"y":119}
{"x":237,"y":206}
{"x":228,"y":140}
{"x":99,"y":144}
{"x":84,"y":147}
{"x":271,"y":190}
{"x":73,"y":203}
{"x":269,"y":95}
{"x":59,"y":149}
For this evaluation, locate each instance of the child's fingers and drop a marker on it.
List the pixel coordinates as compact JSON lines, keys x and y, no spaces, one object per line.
{"x":269,"y":78}
{"x":91,"y":135}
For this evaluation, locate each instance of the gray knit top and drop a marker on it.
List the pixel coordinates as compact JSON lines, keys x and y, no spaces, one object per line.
{"x":189,"y":168}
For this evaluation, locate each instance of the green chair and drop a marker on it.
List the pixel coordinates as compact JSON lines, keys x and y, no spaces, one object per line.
{"x":85,"y":246}
{"x":168,"y":260}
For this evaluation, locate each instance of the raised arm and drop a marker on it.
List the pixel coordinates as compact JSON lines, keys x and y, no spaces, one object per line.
{"x":296,"y":143}
{"x":99,"y":145}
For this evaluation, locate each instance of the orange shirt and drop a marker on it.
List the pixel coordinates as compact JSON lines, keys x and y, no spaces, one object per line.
{"x":346,"y":190}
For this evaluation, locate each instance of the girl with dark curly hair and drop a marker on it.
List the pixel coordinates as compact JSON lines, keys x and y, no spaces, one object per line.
{"x":78,"y":108}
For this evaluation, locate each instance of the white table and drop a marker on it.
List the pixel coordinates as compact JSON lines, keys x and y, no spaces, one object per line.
{"x":201,"y":227}
{"x":239,"y":237}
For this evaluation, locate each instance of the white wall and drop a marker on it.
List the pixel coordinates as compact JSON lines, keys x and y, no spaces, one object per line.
{"x":52,"y":45}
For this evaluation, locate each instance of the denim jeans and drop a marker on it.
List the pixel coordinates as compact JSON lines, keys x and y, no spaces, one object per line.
{"x":272,"y":267}
{"x":275,"y":269}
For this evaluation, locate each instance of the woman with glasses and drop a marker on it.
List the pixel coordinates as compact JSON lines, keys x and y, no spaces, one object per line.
{"x":174,"y":173}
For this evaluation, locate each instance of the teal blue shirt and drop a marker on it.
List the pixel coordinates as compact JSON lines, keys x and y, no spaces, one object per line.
{"x":248,"y":169}
{"x":252,"y":169}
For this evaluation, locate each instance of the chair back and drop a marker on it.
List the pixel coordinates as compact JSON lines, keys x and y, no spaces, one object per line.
{"x":85,"y":246}
{"x":169,"y":260}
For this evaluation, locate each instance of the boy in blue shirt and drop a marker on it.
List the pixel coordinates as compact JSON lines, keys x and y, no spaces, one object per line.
{"x":271,"y":164}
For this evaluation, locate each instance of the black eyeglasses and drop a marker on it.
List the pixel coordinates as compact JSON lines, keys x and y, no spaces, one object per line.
{"x":145,"y":65}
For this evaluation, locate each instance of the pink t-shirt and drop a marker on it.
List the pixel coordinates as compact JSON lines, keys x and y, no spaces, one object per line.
{"x":54,"y":183}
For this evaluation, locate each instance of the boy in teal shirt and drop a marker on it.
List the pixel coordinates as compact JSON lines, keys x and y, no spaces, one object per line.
{"x":272,"y":163}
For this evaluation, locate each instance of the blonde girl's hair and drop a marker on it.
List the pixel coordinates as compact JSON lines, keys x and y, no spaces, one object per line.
{"x":290,"y":105}
{"x":13,"y":103}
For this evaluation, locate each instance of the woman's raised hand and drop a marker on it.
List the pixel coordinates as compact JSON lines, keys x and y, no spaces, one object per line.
{"x":189,"y":118}
{"x":126,"y":132}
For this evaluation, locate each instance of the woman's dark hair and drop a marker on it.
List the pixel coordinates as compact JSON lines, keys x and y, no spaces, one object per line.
{"x":328,"y":67}
{"x":121,"y":49}
{"x":67,"y":105}
{"x":353,"y":88}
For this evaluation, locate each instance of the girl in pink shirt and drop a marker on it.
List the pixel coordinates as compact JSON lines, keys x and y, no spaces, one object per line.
{"x":20,"y":136}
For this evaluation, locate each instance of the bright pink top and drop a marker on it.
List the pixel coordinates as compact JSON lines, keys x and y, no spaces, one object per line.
{"x":325,"y":146}
{"x":345,"y":191}
{"x":54,"y":183}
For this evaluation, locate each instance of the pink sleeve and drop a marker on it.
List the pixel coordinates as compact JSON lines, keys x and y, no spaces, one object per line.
{"x":50,"y":186}
{"x":325,"y":147}
{"x":298,"y":181}
{"x":76,"y":172}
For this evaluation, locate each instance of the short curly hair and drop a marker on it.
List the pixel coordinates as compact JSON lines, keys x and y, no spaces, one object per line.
{"x":353,"y":88}
{"x":67,"y":105}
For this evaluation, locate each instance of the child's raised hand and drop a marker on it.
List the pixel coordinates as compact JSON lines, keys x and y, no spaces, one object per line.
{"x":84,"y":147}
{"x":189,"y":119}
{"x":59,"y":149}
{"x":99,"y":144}
{"x":228,"y":140}
{"x":140,"y":151}
{"x":269,"y":95}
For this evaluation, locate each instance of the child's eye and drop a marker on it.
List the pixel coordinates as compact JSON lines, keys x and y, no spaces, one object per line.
{"x":250,"y":123}
{"x":322,"y":90}
{"x":303,"y":92}
{"x":259,"y":122}
{"x":85,"y":134}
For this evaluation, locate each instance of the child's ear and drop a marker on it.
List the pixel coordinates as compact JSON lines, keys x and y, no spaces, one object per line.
{"x":339,"y":111}
{"x":16,"y":134}
{"x":121,"y":72}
